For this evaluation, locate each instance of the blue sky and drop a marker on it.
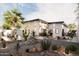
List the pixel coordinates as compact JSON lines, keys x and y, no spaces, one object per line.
{"x":45,"y":11}
{"x":25,"y":9}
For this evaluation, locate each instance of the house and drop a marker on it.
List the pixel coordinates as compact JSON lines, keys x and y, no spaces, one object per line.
{"x":57,"y":28}
{"x":38,"y":25}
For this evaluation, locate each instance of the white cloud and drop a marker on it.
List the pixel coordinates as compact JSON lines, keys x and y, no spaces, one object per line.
{"x":54,"y":12}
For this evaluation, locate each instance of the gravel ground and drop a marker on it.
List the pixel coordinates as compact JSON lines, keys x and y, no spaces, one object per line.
{"x":11,"y":49}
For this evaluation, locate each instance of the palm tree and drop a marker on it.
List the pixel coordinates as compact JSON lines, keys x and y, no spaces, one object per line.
{"x":13,"y":18}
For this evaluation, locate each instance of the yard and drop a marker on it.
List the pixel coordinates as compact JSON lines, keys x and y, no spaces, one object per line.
{"x":33,"y":47}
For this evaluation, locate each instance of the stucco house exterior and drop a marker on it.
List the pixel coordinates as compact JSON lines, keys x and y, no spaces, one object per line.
{"x":58,"y":28}
{"x":37,"y":25}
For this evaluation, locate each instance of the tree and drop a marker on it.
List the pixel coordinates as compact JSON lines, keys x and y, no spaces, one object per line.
{"x":13,"y":18}
{"x":72,"y":33}
{"x":71,"y":27}
{"x":72,"y":30}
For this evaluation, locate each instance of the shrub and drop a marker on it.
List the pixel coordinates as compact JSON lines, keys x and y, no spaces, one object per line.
{"x":45,"y":44}
{"x":67,"y":50}
{"x":44,"y":33}
{"x":54,"y":47}
{"x":58,"y":37}
{"x":71,"y":33}
{"x":64,"y":38}
{"x":50,"y":32}
{"x":27,"y":50}
{"x":3,"y":43}
{"x":71,"y":48}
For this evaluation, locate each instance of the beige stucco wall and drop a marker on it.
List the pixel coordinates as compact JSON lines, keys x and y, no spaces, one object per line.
{"x":55,"y":27}
{"x":36,"y":26}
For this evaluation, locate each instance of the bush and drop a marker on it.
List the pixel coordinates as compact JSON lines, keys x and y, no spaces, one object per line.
{"x":44,"y":33}
{"x":45,"y":44}
{"x":67,"y":50}
{"x":54,"y":47}
{"x":27,"y":50}
{"x":58,"y":37}
{"x":64,"y":38}
{"x":71,"y":33}
{"x":3,"y":43}
{"x":71,"y":48}
{"x":50,"y":33}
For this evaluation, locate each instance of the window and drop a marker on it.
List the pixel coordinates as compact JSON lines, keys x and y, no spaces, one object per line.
{"x":56,"y":30}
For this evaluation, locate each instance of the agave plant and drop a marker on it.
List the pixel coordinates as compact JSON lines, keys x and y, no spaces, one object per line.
{"x":45,"y":44}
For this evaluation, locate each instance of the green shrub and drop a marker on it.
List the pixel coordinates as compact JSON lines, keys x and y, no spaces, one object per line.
{"x":45,"y":44}
{"x":71,"y":48}
{"x":54,"y":47}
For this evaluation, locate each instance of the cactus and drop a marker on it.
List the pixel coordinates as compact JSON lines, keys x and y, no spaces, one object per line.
{"x":33,"y":33}
{"x":45,"y":44}
{"x":25,"y":34}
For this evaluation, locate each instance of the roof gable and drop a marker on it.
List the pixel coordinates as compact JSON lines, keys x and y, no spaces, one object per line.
{"x":35,"y":20}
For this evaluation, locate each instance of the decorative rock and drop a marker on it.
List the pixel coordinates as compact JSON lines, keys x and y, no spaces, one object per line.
{"x":34,"y":49}
{"x":39,"y":49}
{"x":61,"y":50}
{"x":42,"y":53}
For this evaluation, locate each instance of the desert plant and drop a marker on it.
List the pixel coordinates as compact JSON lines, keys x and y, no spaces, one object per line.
{"x":45,"y":44}
{"x":70,"y":48}
{"x":27,"y":50}
{"x":17,"y":46}
{"x":71,"y":33}
{"x":44,"y":33}
{"x":12,"y":18}
{"x":25,"y":34}
{"x":58,"y":37}
{"x":3,"y":43}
{"x":50,"y":32}
{"x":33,"y":33}
{"x":54,"y":47}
